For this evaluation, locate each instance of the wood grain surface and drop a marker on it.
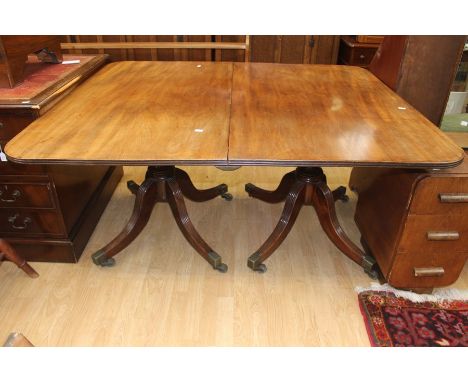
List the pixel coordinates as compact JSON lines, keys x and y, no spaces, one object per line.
{"x":139,"y":113}
{"x":136,"y":113}
{"x":308,"y":115}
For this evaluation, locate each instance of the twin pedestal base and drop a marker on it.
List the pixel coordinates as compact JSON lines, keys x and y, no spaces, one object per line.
{"x":304,"y":186}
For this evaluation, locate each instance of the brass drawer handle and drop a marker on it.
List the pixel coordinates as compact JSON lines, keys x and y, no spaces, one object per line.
{"x":1,"y":125}
{"x":453,"y":198}
{"x":443,"y":235}
{"x":12,"y":220}
{"x":429,"y":272}
{"x":15,"y":195}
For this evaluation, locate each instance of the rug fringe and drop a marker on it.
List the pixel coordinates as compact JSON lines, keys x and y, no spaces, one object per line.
{"x":437,"y":296}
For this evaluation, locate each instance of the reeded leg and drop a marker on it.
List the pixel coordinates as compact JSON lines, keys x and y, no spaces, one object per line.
{"x":324,"y":204}
{"x":162,"y":185}
{"x":309,"y":188}
{"x":144,"y":203}
{"x":294,"y":202}
{"x":176,"y":201}
{"x":190,"y":191}
{"x":275,"y":196}
{"x":340,"y":194}
{"x":7,"y":251}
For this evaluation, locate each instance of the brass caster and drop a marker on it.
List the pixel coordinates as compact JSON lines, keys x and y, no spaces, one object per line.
{"x":133,"y":187}
{"x":249,"y":187}
{"x":221,"y":267}
{"x":215,"y":261}
{"x":371,"y":268}
{"x":227,"y":196}
{"x":99,"y":258}
{"x":261,"y":268}
{"x":253,"y":263}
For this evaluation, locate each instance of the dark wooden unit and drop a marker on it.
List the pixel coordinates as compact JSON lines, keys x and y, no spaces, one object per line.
{"x":421,"y":69}
{"x":14,"y":51}
{"x":48,"y":212}
{"x":415,"y":223}
{"x":356,"y":53}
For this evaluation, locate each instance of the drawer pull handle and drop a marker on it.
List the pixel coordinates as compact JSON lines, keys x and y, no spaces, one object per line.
{"x":12,"y":219}
{"x":429,"y":272}
{"x":453,"y":198}
{"x":15,"y":195}
{"x":443,"y":235}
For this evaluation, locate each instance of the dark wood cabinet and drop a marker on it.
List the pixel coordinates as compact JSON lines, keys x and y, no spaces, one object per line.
{"x":415,"y":223}
{"x":356,"y":53}
{"x":49,"y":212}
{"x":420,"y":69}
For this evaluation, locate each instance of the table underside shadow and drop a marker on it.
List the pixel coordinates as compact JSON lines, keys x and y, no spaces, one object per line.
{"x":307,"y":186}
{"x":164,"y":184}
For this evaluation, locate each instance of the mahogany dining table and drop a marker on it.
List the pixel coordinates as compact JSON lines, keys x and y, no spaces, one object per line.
{"x":164,"y":114}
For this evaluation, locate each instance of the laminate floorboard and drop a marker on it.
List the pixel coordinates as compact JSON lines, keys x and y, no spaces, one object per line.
{"x":162,"y":293}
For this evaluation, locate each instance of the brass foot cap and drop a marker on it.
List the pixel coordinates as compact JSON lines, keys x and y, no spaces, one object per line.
{"x":100,"y":258}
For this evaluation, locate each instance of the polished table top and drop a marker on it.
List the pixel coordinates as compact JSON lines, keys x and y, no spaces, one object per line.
{"x":206,"y":113}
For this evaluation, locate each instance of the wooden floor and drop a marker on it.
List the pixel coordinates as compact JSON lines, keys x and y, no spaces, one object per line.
{"x":162,"y":293}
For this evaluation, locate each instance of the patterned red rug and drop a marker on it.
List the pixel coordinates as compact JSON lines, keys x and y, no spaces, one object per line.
{"x":413,"y":320}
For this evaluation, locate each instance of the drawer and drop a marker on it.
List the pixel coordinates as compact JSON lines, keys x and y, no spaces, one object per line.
{"x":416,"y":272}
{"x":27,"y":223}
{"x":437,"y":195}
{"x":25,"y":194}
{"x":425,"y":234}
{"x":362,"y":56}
{"x":432,"y":251}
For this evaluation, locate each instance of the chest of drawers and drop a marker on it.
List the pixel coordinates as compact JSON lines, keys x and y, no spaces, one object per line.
{"x":49,"y":212}
{"x":356,"y":53}
{"x":414,"y":223}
